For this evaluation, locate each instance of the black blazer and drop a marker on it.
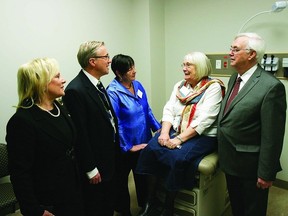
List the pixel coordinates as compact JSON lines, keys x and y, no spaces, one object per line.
{"x":251,"y":133}
{"x":41,"y":171}
{"x":97,"y":145}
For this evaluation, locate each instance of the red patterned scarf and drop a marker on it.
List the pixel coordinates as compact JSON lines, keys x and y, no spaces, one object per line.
{"x":192,"y":99}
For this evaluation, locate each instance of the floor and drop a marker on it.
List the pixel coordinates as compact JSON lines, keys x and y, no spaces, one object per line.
{"x":277,"y":203}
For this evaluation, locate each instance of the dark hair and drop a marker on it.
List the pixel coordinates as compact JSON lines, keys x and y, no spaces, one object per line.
{"x":122,"y":64}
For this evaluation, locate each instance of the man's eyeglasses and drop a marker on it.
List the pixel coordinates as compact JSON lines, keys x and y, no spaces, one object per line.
{"x":107,"y":57}
{"x":236,"y":50}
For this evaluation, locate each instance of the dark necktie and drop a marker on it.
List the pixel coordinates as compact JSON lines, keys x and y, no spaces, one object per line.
{"x":104,"y":100}
{"x":103,"y":95}
{"x":234,"y":93}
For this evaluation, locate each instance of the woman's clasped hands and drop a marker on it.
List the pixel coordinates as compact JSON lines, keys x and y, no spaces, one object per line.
{"x":165,"y":141}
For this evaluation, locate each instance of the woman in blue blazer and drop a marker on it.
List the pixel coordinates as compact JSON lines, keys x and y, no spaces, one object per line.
{"x":136,"y":123}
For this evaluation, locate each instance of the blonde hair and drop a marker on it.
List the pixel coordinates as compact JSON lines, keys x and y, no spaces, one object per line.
{"x":88,"y":50}
{"x":33,"y":79}
{"x":201,"y":62}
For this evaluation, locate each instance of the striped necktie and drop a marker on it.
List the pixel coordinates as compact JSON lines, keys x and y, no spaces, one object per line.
{"x":104,"y":100}
{"x":103,"y":96}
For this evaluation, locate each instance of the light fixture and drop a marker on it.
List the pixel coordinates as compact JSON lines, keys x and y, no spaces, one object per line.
{"x":276,"y":7}
{"x":279,"y":6}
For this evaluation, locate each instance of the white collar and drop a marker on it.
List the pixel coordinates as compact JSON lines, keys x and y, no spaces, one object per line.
{"x":245,"y":77}
{"x":93,"y":79}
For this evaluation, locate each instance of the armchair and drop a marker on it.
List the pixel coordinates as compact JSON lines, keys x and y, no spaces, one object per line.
{"x":7,"y":197}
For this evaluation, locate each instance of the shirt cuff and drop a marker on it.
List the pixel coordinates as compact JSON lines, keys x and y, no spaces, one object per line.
{"x":92,"y":173}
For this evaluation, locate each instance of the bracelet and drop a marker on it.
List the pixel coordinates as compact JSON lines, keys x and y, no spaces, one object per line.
{"x":179,"y":138}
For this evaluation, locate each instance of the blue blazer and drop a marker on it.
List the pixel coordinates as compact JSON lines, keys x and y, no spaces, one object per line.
{"x":135,"y":117}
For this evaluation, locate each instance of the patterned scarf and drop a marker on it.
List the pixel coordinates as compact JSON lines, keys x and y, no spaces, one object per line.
{"x":192,"y":99}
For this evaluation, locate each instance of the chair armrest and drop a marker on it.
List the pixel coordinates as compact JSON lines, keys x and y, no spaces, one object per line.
{"x":208,"y":164}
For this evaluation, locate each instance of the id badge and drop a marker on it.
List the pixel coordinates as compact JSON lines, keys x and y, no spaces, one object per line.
{"x":184,"y":91}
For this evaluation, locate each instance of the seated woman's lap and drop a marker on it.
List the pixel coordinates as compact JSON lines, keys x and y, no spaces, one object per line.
{"x":195,"y":147}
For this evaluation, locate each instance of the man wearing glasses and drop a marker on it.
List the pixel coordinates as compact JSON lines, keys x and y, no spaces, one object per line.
{"x":97,"y":142}
{"x":251,"y":126}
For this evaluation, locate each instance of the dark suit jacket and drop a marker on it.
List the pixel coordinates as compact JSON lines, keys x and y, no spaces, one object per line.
{"x":40,"y":169}
{"x":96,"y":145}
{"x":250,"y":134}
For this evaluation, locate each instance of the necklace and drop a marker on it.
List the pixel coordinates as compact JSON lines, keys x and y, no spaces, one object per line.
{"x":129,"y":86}
{"x":54,"y":115}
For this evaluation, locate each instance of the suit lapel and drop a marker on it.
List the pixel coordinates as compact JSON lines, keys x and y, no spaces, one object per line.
{"x":69,"y":120}
{"x":252,"y":81}
{"x":229,"y":89}
{"x":46,"y":126}
{"x":247,"y":87}
{"x":94,"y":94}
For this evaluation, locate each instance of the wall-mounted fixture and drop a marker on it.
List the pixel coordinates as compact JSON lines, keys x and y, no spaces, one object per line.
{"x":275,"y":63}
{"x":285,"y":66}
{"x":270,"y":63}
{"x":276,"y":7}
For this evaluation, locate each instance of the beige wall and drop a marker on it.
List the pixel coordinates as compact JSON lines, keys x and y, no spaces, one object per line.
{"x":156,"y":33}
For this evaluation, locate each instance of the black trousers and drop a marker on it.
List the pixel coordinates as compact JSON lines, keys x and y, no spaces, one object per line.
{"x":71,"y":209}
{"x":245,"y":197}
{"x":98,"y":198}
{"x":128,"y":162}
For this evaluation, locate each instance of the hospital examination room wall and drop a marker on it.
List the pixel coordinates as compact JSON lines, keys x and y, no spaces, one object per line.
{"x":156,"y":33}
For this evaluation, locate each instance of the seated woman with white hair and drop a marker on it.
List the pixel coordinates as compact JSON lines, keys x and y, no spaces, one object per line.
{"x":188,"y":132}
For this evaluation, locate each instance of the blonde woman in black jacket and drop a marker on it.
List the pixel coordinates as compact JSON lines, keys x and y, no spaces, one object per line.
{"x":40,"y":139}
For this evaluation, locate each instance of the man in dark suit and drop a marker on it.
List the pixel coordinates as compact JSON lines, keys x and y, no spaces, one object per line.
{"x":93,"y":115}
{"x":251,"y":129}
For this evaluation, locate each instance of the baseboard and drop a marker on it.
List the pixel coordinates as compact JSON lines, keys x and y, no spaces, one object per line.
{"x":281,"y":184}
